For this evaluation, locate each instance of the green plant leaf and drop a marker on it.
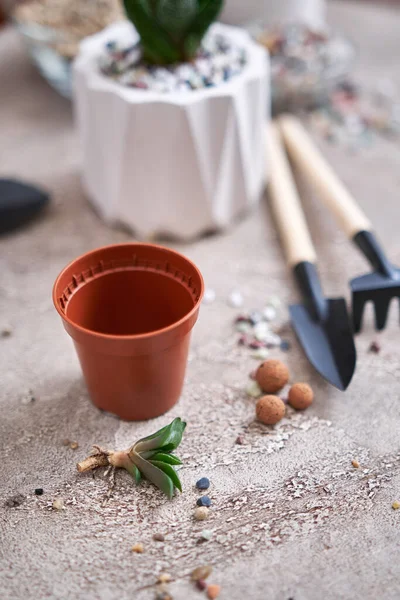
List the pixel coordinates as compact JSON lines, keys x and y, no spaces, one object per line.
{"x":208,"y":11}
{"x":175,"y":16}
{"x":166,"y":439}
{"x":156,"y":43}
{"x":154,"y":474}
{"x":134,"y":471}
{"x":168,"y":470}
{"x":170,"y":459}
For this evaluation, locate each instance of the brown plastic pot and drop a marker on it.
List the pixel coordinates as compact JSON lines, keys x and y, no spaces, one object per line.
{"x":130,"y":309}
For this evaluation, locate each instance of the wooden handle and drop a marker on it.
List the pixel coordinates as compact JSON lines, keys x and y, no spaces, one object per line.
{"x":285,"y":203}
{"x":320,"y":174}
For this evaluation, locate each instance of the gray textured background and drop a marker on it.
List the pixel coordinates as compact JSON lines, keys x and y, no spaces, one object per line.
{"x":292,"y":518}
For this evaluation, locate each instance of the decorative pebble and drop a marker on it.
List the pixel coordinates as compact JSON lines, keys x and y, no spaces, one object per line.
{"x":260,"y":354}
{"x":239,"y":440}
{"x":218,"y":59}
{"x":201,"y":573}
{"x":204,"y":501}
{"x":375,"y":347}
{"x":6,"y":332}
{"x":262,"y":331}
{"x":272,"y":375}
{"x":355,"y":464}
{"x":253,"y":390}
{"x":58,"y":504}
{"x":28,"y":398}
{"x":39,"y":491}
{"x":235,"y":299}
{"x":163,"y":595}
{"x":396,"y":505}
{"x":209,"y":296}
{"x":206,"y":534}
{"x":138,"y":548}
{"x":164,"y":578}
{"x":14,"y":501}
{"x":213,"y":591}
{"x":203,"y":483}
{"x":269,"y":313}
{"x":73,"y":445}
{"x":284,"y":345}
{"x":270,"y":410}
{"x":201,"y":513}
{"x":255,"y":317}
{"x":65,"y":442}
{"x":243,"y":327}
{"x":201,"y":585}
{"x":300,"y":396}
{"x":158,"y":537}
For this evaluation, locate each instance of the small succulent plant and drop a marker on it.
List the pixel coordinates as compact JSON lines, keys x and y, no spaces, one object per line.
{"x":171,"y":30}
{"x":150,"y":458}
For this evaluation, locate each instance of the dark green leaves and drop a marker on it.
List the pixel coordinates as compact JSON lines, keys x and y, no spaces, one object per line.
{"x":167,"y":439}
{"x":151,"y":457}
{"x":171,"y":30}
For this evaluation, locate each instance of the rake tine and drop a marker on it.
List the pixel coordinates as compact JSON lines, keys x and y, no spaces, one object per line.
{"x":381,"y":312}
{"x":358,"y":310}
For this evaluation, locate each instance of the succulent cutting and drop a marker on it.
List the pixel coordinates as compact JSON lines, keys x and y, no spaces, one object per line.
{"x":150,"y":458}
{"x":171,"y":30}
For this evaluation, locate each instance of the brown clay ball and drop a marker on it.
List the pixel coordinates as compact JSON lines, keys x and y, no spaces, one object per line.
{"x":300,"y":396}
{"x":272,"y":375}
{"x":270,"y":410}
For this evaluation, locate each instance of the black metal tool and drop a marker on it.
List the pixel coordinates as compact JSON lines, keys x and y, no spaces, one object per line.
{"x":383,"y":284}
{"x":321,"y":324}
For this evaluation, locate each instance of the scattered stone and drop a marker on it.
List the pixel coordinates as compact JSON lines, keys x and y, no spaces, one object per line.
{"x":138,"y":548}
{"x":73,"y":445}
{"x":6,"y":332}
{"x":253,"y":390}
{"x":204,"y":501}
{"x":218,"y":59}
{"x":272,"y":375}
{"x":269,"y":313}
{"x":270,"y":410}
{"x":235,"y":299}
{"x":164,"y":595}
{"x":206,"y":534}
{"x":300,"y":396}
{"x":201,"y":513}
{"x":213,"y":591}
{"x":158,"y":537}
{"x":39,"y":491}
{"x":201,"y":573}
{"x":396,"y":505}
{"x":58,"y":504}
{"x":240,"y":440}
{"x":355,"y":463}
{"x":28,"y":398}
{"x":201,"y":585}
{"x":209,"y":296}
{"x":65,"y":442}
{"x":260,"y":354}
{"x":203,"y":483}
{"x":374,"y":347}
{"x":164,"y":578}
{"x":285,"y":345}
{"x":243,"y":327}
{"x":255,"y":317}
{"x":14,"y":501}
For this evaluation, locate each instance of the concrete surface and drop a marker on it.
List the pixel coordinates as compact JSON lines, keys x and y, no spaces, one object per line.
{"x":291,"y":517}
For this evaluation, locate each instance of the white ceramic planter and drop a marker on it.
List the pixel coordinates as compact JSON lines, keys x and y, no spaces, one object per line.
{"x":179,"y":164}
{"x":271,"y":12}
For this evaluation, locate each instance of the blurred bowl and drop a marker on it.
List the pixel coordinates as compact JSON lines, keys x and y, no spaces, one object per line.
{"x":45,"y":49}
{"x":306,"y":65}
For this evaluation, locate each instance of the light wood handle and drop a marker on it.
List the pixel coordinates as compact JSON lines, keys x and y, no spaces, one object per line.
{"x":320,"y":174}
{"x":285,"y":203}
